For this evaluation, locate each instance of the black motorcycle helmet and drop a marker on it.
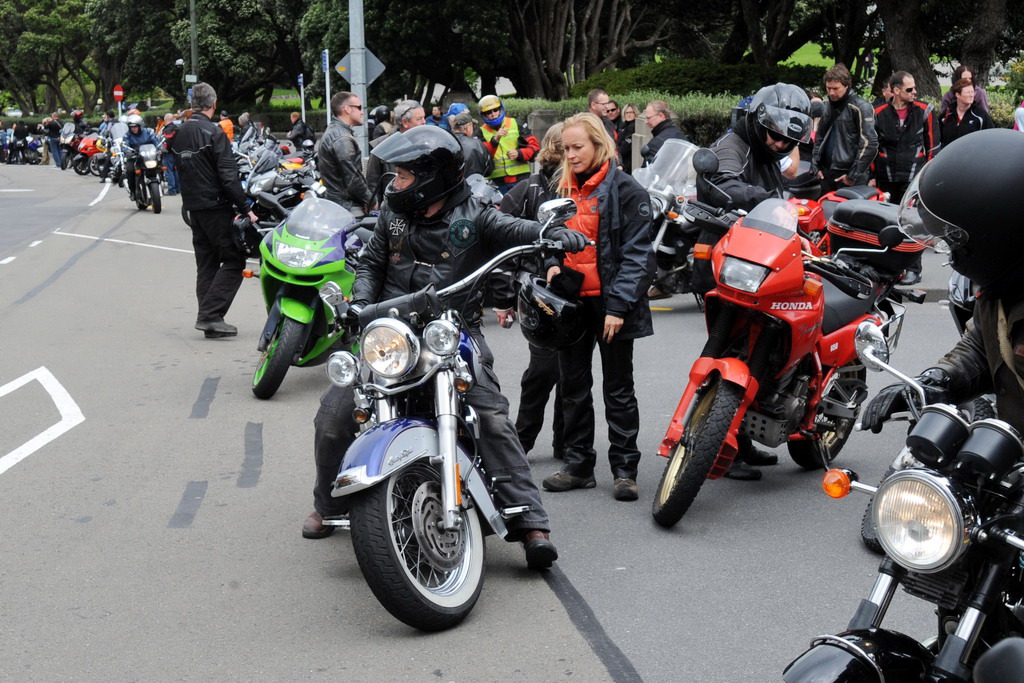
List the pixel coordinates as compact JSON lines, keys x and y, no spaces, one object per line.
{"x":547,"y":319}
{"x":380,"y":114}
{"x":781,"y":111}
{"x":431,"y":154}
{"x":964,"y":202}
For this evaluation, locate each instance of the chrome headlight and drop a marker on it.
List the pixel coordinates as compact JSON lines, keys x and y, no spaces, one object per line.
{"x":441,"y":337}
{"x":390,"y":348}
{"x":921,"y":520}
{"x":150,"y":163}
{"x":742,"y":275}
{"x":343,"y":369}
{"x":296,"y":257}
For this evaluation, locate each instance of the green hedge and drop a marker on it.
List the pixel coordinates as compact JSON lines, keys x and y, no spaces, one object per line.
{"x":680,"y":77}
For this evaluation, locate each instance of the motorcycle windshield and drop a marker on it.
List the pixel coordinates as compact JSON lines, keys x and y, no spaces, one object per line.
{"x":68,"y":131}
{"x":316,"y":220}
{"x":267,"y":161}
{"x":118,"y":131}
{"x":672,"y":171}
{"x":147,"y":152}
{"x":774,"y":216}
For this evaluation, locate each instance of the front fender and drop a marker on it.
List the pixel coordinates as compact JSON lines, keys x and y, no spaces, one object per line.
{"x":386,"y":448}
{"x":731,"y":370}
{"x":861,"y":656}
{"x":296,"y":310}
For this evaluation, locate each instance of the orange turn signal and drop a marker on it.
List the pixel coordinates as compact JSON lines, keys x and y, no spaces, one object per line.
{"x":836,"y":483}
{"x":138,"y":172}
{"x":812,"y":287}
{"x":702,"y":251}
{"x":802,"y":210}
{"x":361,"y":415}
{"x":462,"y":385}
{"x":247,"y":272}
{"x":672,"y":215}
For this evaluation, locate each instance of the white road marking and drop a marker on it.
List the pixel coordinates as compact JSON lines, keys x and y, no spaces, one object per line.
{"x":7,"y":260}
{"x":102,"y":194}
{"x":70,"y":415}
{"x":134,"y":244}
{"x":17,"y":190}
{"x":36,"y":243}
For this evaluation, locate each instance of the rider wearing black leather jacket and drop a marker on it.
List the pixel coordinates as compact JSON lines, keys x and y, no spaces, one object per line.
{"x":985,"y":243}
{"x":340,"y":160}
{"x":431,"y":231}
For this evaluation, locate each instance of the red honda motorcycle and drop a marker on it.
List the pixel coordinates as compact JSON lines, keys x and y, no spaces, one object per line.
{"x":814,"y":214}
{"x":779,"y":365}
{"x":89,"y":147}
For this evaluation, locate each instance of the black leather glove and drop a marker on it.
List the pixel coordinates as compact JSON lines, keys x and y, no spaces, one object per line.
{"x":352,"y":315}
{"x":572,"y":241}
{"x":895,"y":398}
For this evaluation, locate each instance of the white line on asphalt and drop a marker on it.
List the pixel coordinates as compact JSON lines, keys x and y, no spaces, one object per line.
{"x":36,"y":243}
{"x":17,"y":190}
{"x":134,"y":244}
{"x":70,"y":415}
{"x":102,"y":194}
{"x":7,"y":260}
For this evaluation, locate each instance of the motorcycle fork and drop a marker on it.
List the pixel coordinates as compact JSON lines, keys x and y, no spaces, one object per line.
{"x":871,"y":610}
{"x":446,"y":401}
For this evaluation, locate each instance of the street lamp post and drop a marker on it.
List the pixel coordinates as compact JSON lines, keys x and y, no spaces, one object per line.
{"x":195,"y":39}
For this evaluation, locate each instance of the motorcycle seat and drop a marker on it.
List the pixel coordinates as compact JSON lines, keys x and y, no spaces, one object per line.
{"x":865,"y":215}
{"x":828,"y":208}
{"x":841,"y":308}
{"x":856,"y":192}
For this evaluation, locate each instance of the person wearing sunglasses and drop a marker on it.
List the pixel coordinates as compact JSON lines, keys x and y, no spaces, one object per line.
{"x":907,"y":140}
{"x":508,"y":141}
{"x":845,"y":143}
{"x":340,"y":160}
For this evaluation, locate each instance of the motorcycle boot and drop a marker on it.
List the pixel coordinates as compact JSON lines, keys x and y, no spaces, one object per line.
{"x":540,"y":551}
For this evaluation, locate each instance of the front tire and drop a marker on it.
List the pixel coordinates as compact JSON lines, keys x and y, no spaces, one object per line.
{"x":814,"y":454}
{"x":692,"y":458}
{"x":81,"y":164}
{"x":425,"y":577}
{"x":276,"y":360}
{"x":154,"y":195}
{"x":95,"y":164}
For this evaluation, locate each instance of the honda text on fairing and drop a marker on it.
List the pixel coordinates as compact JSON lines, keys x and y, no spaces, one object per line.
{"x":779,"y":365}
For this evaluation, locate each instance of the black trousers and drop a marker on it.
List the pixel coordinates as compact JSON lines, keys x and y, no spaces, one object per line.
{"x":219,"y":262}
{"x":335,"y":430}
{"x":620,"y":404}
{"x":540,"y":377}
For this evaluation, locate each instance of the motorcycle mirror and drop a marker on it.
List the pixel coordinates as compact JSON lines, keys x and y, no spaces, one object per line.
{"x":890,"y":236}
{"x":871,"y":346}
{"x":705,"y":161}
{"x":556,"y":211}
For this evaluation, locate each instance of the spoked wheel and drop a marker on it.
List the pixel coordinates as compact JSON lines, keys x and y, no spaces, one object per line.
{"x":154,"y":195}
{"x":425,"y":576}
{"x":849,"y":389}
{"x":276,"y":360}
{"x":691,"y":460}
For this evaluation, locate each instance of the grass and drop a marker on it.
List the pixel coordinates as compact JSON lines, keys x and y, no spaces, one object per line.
{"x":809,"y":55}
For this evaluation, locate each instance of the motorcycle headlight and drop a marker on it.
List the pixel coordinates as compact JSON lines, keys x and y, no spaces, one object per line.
{"x":742,"y":275}
{"x":920,"y":520}
{"x":296,"y":257}
{"x":441,"y":337}
{"x":343,"y":369}
{"x":390,"y":348}
{"x":150,"y":163}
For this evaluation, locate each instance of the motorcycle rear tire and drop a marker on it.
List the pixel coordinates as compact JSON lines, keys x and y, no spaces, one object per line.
{"x":154,"y":195}
{"x":692,"y":458}
{"x":813,"y":454}
{"x":276,"y":360}
{"x":81,"y":164}
{"x":867,"y":525}
{"x":406,"y":577}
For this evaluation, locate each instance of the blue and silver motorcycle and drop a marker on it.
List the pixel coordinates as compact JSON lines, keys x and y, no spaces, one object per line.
{"x":420,"y":501}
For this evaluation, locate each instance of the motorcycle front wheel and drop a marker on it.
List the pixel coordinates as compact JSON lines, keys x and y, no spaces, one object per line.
{"x":95,"y":164}
{"x":32,"y":157}
{"x":65,"y":159}
{"x":425,"y":576}
{"x":814,"y":454}
{"x":276,"y":360}
{"x":154,"y":195}
{"x":692,"y":458}
{"x":81,"y":164}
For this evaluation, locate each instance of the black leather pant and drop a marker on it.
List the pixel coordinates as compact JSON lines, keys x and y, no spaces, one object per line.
{"x":219,"y":262}
{"x":335,"y":430}
{"x":620,"y":404}
{"x":539,"y":378}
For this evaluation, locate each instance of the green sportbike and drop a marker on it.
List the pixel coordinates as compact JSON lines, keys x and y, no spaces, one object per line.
{"x":307,"y":263}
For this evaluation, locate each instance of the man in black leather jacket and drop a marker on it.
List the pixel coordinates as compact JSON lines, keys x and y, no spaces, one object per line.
{"x":340,"y":164}
{"x":985,"y":242}
{"x":473,"y":150}
{"x":211,"y":193}
{"x":431,"y":231}
{"x":659,"y":118}
{"x":846,"y":142}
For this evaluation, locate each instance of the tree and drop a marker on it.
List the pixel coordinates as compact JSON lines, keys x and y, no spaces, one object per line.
{"x":907,"y":44}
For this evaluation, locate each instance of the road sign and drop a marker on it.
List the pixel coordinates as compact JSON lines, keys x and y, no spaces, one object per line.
{"x":191,"y":78}
{"x":323,"y":60}
{"x":118,"y":93}
{"x":374,"y":67}
{"x":300,"y":79}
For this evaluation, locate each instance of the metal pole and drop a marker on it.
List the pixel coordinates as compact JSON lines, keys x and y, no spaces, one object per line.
{"x":357,"y":51}
{"x":195,"y":39}
{"x":302,"y":97}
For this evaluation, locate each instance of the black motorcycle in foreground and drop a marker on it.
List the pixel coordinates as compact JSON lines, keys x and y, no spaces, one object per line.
{"x":145,"y":164}
{"x":952,"y":528}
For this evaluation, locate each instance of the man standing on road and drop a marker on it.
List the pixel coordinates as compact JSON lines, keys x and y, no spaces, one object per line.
{"x":210,"y":191}
{"x":508,"y":141}
{"x":845,"y":144}
{"x":53,"y":137}
{"x":341,"y":164}
{"x":659,"y":120}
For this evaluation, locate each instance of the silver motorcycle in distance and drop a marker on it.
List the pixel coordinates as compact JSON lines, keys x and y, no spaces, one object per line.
{"x":421,"y":502}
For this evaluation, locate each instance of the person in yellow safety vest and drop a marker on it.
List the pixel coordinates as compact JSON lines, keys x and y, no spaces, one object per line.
{"x":508,"y":141}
